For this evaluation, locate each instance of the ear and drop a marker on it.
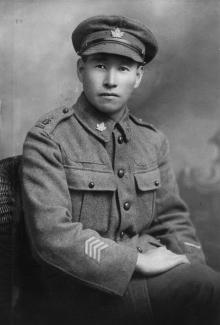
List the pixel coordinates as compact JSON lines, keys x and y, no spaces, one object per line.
{"x":139,"y":75}
{"x":80,"y":69}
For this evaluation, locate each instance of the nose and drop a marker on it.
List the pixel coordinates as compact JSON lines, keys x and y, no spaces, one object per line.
{"x":110,"y":80}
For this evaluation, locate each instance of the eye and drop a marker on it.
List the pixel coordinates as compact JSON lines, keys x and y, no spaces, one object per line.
{"x":123,"y":68}
{"x":100,"y":66}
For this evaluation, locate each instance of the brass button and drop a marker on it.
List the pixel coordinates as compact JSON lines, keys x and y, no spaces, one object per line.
{"x":91,"y":184}
{"x":156,"y":183}
{"x":122,"y":234}
{"x":139,"y":249}
{"x":65,"y":110}
{"x":121,"y":173}
{"x":120,"y":139}
{"x":127,"y":206}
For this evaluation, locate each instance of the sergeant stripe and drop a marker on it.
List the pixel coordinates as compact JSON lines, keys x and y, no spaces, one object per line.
{"x":93,"y":248}
{"x":87,"y":244}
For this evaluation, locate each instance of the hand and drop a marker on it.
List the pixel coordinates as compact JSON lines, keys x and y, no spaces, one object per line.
{"x":159,"y":260}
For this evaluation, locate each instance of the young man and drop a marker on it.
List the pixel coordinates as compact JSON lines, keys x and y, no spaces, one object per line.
{"x":101,"y":202}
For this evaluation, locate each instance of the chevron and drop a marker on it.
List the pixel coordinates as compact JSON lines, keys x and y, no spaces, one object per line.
{"x":93,"y":248}
{"x":92,"y":244}
{"x":87,"y":244}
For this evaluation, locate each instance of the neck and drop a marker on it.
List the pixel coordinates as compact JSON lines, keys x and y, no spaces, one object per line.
{"x":117,"y":116}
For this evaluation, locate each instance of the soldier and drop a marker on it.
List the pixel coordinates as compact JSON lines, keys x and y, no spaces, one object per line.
{"x":101,"y":203}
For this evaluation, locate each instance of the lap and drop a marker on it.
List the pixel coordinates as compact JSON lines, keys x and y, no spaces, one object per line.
{"x":70,"y":302}
{"x":184,"y":289}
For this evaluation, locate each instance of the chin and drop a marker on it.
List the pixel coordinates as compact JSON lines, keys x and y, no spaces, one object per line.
{"x":111,"y":106}
{"x":109,"y":110}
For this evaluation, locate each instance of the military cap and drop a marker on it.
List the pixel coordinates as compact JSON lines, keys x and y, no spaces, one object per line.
{"x":115,"y":35}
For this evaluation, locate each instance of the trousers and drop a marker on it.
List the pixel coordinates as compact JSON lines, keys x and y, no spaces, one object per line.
{"x":184,"y":295}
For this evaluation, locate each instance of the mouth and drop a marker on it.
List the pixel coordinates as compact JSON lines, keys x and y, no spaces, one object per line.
{"x":109,"y":95}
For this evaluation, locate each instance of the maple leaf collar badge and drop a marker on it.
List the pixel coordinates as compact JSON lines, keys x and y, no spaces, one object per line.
{"x":117,"y":33}
{"x":101,"y":127}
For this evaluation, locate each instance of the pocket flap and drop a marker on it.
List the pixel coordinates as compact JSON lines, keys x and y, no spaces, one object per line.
{"x":147,"y":181}
{"x":87,"y":180}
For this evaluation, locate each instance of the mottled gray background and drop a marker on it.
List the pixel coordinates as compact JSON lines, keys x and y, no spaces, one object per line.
{"x":179,"y":93}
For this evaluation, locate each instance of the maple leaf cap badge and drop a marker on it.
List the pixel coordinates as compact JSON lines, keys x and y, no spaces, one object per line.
{"x":117,"y":33}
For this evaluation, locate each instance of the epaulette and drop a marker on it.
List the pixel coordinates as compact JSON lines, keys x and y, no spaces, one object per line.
{"x":49,"y":121}
{"x":141,"y":122}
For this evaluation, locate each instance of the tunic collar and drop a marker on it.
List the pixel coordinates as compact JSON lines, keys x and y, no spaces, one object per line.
{"x":90,"y":118}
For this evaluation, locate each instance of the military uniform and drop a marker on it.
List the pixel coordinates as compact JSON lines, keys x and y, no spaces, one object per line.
{"x":96,"y":193}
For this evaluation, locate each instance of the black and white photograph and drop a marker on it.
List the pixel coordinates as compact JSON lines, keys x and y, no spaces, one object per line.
{"x":109,"y":162}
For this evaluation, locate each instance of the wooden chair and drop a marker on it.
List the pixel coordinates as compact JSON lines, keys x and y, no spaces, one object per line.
{"x":9,"y":221}
{"x":20,"y":282}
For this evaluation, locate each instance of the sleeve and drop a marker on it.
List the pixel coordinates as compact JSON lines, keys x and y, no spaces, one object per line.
{"x":56,"y":240}
{"x":172,"y":224}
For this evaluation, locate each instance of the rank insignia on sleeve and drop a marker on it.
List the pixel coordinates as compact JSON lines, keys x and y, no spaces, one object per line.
{"x":101,"y":127}
{"x":117,"y":33}
{"x":192,"y":245}
{"x":94,"y":247}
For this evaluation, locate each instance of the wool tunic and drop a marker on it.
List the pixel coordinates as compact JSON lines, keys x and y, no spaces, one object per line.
{"x":96,"y":193}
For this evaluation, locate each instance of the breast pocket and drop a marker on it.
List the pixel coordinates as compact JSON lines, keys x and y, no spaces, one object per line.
{"x":91,"y":194}
{"x":147,"y":184}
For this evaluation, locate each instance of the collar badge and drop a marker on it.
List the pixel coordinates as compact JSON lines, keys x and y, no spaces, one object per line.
{"x":101,"y":127}
{"x":117,"y":33}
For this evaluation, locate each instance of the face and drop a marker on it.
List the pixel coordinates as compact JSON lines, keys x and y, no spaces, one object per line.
{"x":108,"y":81}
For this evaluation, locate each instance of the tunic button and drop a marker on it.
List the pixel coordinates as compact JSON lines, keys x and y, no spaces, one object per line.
{"x":122,"y":234}
{"x":127,"y":206}
{"x":120,"y":139}
{"x":156,"y":183}
{"x":121,"y":173}
{"x":65,"y":110}
{"x":91,"y":184}
{"x":140,"y":250}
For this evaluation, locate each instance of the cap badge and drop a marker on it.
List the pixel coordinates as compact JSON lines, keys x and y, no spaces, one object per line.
{"x":101,"y":127}
{"x":117,"y":33}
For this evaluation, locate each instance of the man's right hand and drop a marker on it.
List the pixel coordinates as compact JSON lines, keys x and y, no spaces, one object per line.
{"x":159,"y":260}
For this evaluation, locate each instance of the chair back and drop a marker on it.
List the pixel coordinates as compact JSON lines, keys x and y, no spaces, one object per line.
{"x":10,"y":212}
